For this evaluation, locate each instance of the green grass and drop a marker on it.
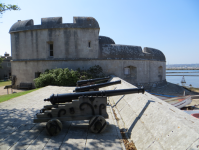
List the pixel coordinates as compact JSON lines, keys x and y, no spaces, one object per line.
{"x":4,"y":83}
{"x":10,"y":96}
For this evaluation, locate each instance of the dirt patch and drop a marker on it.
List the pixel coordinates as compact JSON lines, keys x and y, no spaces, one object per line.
{"x":128,"y":145}
{"x":4,"y":91}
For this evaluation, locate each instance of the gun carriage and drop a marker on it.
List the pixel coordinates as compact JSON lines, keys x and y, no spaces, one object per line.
{"x":78,"y":106}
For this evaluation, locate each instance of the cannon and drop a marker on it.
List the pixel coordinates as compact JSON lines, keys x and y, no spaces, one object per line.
{"x":78,"y":106}
{"x":95,"y":87}
{"x":68,"y":97}
{"x":91,"y":81}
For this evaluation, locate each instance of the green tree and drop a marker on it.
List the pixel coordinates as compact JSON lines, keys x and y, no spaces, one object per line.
{"x":1,"y":60}
{"x":10,"y":7}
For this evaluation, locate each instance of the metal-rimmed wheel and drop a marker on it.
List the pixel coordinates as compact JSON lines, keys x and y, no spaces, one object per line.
{"x":97,"y":124}
{"x":53,"y":127}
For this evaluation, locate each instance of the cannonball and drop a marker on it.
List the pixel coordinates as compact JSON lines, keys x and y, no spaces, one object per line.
{"x":53,"y":127}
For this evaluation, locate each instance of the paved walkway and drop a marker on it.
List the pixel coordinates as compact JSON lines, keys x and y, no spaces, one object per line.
{"x":17,"y":130}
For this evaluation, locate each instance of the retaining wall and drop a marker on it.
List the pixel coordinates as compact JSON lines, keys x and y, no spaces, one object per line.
{"x":152,"y":123}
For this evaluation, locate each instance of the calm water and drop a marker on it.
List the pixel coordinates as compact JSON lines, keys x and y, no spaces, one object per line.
{"x":193,"y":80}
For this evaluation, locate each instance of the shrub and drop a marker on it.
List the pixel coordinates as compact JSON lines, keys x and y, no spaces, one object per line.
{"x":96,"y":71}
{"x":66,"y":77}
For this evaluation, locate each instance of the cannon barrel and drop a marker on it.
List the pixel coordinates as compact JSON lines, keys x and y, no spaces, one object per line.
{"x":87,"y":88}
{"x":79,"y":83}
{"x":68,"y":97}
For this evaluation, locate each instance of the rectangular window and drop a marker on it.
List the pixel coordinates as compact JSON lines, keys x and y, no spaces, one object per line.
{"x":89,"y":44}
{"x":126,"y":71}
{"x":51,"y":49}
{"x":37,"y":74}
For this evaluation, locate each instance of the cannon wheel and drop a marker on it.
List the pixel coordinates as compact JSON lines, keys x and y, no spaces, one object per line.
{"x":53,"y":127}
{"x":97,"y":124}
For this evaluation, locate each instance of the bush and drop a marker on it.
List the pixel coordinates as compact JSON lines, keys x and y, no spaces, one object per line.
{"x":66,"y":77}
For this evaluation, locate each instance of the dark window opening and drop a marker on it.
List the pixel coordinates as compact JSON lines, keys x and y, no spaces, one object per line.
{"x":160,"y":73}
{"x":37,"y":74}
{"x":51,"y":49}
{"x":89,"y":44}
{"x":51,"y":46}
{"x":51,"y":53}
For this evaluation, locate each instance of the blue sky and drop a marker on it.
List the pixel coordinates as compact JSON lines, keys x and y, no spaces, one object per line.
{"x":171,"y":26}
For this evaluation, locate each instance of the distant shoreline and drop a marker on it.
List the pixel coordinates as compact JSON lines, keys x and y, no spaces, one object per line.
{"x":180,"y":72}
{"x":181,"y":69}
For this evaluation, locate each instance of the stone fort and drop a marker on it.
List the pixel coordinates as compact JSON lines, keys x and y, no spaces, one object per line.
{"x":54,"y":44}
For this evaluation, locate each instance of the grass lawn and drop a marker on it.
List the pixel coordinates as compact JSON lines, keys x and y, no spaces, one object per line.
{"x":10,"y":96}
{"x":4,"y":83}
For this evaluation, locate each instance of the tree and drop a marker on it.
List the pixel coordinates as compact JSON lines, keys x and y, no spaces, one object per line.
{"x":1,"y":60}
{"x":10,"y":7}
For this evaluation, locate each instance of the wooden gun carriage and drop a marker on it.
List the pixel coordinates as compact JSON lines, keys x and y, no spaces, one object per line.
{"x":78,"y":106}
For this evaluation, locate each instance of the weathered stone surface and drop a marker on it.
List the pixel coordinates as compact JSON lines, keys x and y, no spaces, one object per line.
{"x":115,"y":51}
{"x":54,"y":22}
{"x":154,"y":124}
{"x":147,"y":72}
{"x":105,"y":40}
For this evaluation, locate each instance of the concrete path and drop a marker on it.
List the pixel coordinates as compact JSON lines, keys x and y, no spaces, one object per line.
{"x":17,"y":130}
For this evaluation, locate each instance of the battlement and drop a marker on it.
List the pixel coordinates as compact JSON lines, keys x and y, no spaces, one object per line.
{"x":54,"y":22}
{"x":115,"y":51}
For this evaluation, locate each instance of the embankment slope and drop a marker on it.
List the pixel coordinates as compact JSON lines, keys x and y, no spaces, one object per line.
{"x":152,"y":123}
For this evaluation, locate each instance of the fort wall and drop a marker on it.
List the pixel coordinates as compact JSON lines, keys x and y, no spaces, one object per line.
{"x":67,"y":43}
{"x":54,"y":44}
{"x":147,"y":71}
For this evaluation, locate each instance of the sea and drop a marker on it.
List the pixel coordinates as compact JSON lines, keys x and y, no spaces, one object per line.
{"x":191,"y":77}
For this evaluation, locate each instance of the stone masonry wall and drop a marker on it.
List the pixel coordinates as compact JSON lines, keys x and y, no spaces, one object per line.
{"x":147,"y":70}
{"x":67,"y":43}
